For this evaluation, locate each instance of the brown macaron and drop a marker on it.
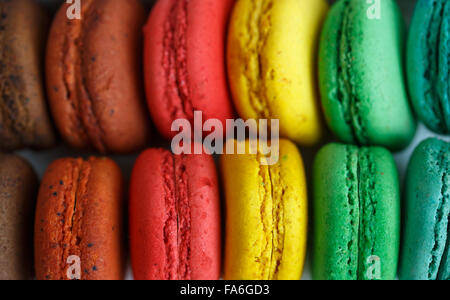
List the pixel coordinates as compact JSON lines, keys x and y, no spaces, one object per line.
{"x":79,"y":218}
{"x":94,"y":76}
{"x":24,"y":118}
{"x":18,"y":189}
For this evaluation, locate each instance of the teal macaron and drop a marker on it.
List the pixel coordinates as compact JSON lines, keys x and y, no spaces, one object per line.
{"x":425,"y":246}
{"x":361,"y":75}
{"x":356,"y":214}
{"x":428,"y":60}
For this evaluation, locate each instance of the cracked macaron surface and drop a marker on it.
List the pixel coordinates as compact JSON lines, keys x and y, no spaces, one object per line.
{"x":425,"y":246}
{"x":80,"y":213}
{"x":174,"y":212}
{"x":271,"y":54}
{"x":184,"y":61}
{"x":356,"y":214}
{"x":429,"y":63}
{"x":94,"y":76}
{"x":361,"y":74}
{"x":24,"y":117}
{"x":266,"y":209}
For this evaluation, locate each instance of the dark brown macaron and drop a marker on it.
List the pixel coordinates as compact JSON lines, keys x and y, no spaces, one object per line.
{"x":79,"y":219}
{"x":24,"y":118}
{"x":18,"y":189}
{"x":94,"y":77}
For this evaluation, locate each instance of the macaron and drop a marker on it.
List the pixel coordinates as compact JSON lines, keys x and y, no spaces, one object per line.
{"x":356,"y":214}
{"x":428,"y":63}
{"x":184,"y":62}
{"x":174,"y":217}
{"x":266,"y":214}
{"x":363,"y":89}
{"x":425,"y":247}
{"x":94,"y":76}
{"x":24,"y":117}
{"x":18,"y":189}
{"x":272,"y":49}
{"x":79,"y":218}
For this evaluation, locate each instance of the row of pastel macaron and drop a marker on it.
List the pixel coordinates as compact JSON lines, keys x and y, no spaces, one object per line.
{"x":269,"y":49}
{"x":175,"y":220}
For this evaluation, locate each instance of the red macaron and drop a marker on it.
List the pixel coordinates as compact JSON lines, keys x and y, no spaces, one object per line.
{"x":184,"y":61}
{"x":175,"y":228}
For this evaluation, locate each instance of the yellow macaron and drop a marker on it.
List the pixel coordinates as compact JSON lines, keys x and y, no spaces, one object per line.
{"x":272,"y":48}
{"x":266,"y":209}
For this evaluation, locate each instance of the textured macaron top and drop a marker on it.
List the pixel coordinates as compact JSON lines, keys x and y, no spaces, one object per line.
{"x":266,"y":215}
{"x":425,"y":250}
{"x":174,"y":217}
{"x":94,"y":76}
{"x":178,"y":218}
{"x":184,"y":61}
{"x":79,"y":213}
{"x":361,"y":75}
{"x":357,"y":213}
{"x":429,"y":63}
{"x":271,"y":55}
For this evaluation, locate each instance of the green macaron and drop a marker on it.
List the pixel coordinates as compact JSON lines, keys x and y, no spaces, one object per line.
{"x":361,"y":74}
{"x":356,"y":214}
{"x":425,"y":248}
{"x":428,"y":60}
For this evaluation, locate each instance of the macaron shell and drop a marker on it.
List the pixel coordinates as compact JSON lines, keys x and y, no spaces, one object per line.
{"x":94,"y":76}
{"x":336,"y":209}
{"x":184,"y":61}
{"x":379,"y":238}
{"x":266,"y":223}
{"x":24,"y":121}
{"x":427,"y":62}
{"x":357,"y":213}
{"x":80,"y":212}
{"x":271,"y":61}
{"x":361,"y":77}
{"x":18,"y":189}
{"x":147,"y":218}
{"x":156,"y":217}
{"x":426,"y":211}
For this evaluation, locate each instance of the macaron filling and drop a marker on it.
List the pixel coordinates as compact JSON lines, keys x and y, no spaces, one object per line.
{"x":278,"y":232}
{"x":437,"y":69}
{"x":177,"y":224}
{"x":438,"y":267}
{"x":76,"y":67}
{"x":259,"y":25}
{"x":362,"y":208}
{"x":352,"y":174}
{"x":347,"y":95}
{"x":175,"y":61}
{"x":271,"y":193}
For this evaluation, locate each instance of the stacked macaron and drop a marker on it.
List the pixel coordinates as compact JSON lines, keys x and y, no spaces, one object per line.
{"x":428,"y":64}
{"x":105,"y":77}
{"x":425,"y":250}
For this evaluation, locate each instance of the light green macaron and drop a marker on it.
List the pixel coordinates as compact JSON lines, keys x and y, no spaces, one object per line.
{"x":361,"y":73}
{"x":356,"y":214}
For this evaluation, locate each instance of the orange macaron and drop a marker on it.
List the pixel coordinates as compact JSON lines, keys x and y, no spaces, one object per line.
{"x":78,"y":225}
